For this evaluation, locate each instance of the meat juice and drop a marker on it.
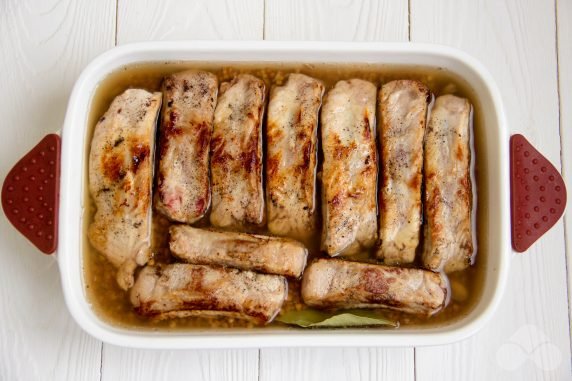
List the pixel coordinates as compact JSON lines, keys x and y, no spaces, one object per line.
{"x":112,"y":304}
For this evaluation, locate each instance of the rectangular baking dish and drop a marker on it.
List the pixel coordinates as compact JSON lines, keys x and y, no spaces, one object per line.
{"x":493,"y":146}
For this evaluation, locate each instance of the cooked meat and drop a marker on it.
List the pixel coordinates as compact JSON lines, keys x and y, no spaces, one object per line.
{"x":334,"y":283}
{"x":120,"y":181}
{"x":448,"y":194}
{"x":181,"y":290}
{"x":349,"y":175}
{"x":291,"y":132}
{"x":236,"y":148}
{"x":403,"y":113}
{"x":270,"y":255}
{"x":183,"y":187}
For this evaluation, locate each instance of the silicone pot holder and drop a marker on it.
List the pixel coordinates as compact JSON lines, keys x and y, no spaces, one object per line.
{"x":30,"y":194}
{"x":538,"y":194}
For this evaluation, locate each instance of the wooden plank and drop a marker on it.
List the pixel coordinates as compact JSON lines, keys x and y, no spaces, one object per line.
{"x":334,"y":364}
{"x":143,"y":20}
{"x":171,"y":20}
{"x":141,"y":365}
{"x":528,"y":337}
{"x":351,"y":20}
{"x":564,"y":22}
{"x":369,"y":20}
{"x":43,"y":51}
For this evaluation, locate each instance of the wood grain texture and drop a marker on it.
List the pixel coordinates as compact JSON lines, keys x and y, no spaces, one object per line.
{"x":564,"y":23}
{"x":369,"y":20}
{"x":334,"y":364}
{"x":515,"y":40}
{"x":45,"y":45}
{"x":337,"y":20}
{"x":142,"y":20}
{"x":141,"y":365}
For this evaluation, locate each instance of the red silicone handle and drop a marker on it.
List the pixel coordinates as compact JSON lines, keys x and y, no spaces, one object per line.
{"x":538,"y":194}
{"x":30,"y":194}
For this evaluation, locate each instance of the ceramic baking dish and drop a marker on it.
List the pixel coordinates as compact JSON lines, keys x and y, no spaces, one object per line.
{"x":494,"y":148}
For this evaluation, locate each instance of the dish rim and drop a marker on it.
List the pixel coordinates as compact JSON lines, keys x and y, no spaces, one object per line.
{"x":72,"y":201}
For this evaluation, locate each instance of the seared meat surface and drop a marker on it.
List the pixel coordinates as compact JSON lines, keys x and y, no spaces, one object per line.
{"x":236,"y":149}
{"x":349,"y":175}
{"x":334,"y":283}
{"x":403,"y":113}
{"x":120,"y":181}
{"x":181,"y":290}
{"x":292,"y":156}
{"x":449,"y":242}
{"x":183,"y":185}
{"x":272,"y":255}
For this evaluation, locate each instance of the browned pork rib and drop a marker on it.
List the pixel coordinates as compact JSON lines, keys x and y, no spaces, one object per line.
{"x":334,"y":283}
{"x":349,"y":175}
{"x":270,"y":255}
{"x":120,"y":181}
{"x":291,"y":132}
{"x":236,"y":149}
{"x":183,"y":187}
{"x":403,"y":113}
{"x":181,"y":290}
{"x":448,"y":195}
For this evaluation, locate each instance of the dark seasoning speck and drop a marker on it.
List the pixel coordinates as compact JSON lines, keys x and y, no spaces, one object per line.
{"x":112,"y":304}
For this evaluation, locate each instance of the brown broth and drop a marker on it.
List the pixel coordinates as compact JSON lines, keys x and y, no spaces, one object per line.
{"x":112,"y":304}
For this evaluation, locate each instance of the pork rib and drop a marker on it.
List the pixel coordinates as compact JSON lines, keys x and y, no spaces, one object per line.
{"x":183,"y":185}
{"x":236,"y":162}
{"x":403,"y":113}
{"x":334,"y":283}
{"x":291,"y":163}
{"x":181,"y":290}
{"x":449,"y":237}
{"x":120,"y":181}
{"x":349,"y":174}
{"x":271,"y":255}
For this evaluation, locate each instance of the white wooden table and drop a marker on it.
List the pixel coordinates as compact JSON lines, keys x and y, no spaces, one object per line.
{"x":526,"y":44}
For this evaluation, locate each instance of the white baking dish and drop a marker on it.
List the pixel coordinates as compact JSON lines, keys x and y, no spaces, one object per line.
{"x":495,"y":151}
